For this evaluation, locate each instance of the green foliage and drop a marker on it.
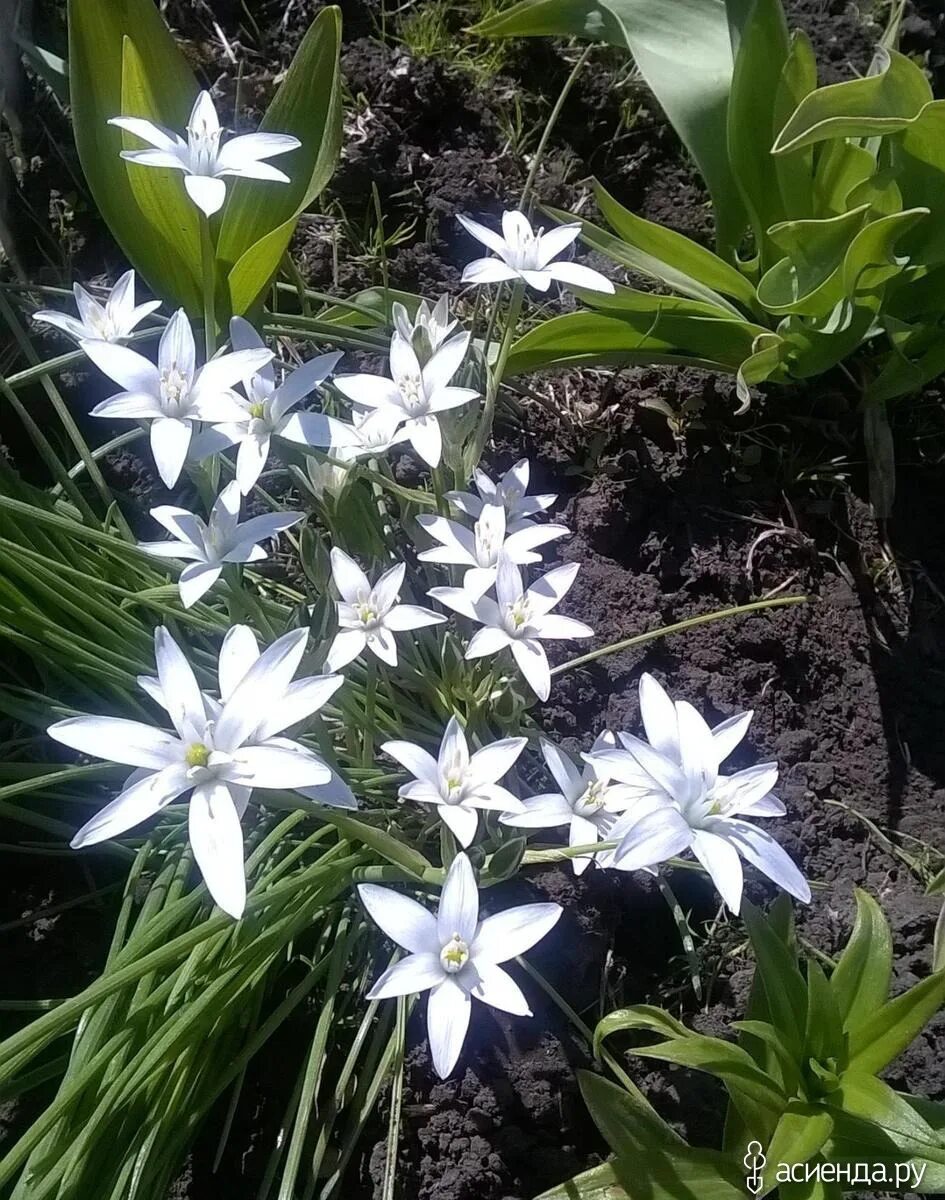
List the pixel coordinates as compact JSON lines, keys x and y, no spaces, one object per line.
{"x":124,"y":62}
{"x":830,"y":210}
{"x":802,"y":1078}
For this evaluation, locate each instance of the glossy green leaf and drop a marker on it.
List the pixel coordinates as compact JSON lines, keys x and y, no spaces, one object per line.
{"x":726,"y":1061}
{"x":627,"y":1125}
{"x":169,"y":215}
{"x":786,"y":1070}
{"x":665,"y":255}
{"x":259,"y":217}
{"x":795,"y":171}
{"x":885,"y":1033}
{"x":784,"y":988}
{"x":650,"y":329}
{"x":97,"y":31}
{"x":765,"y":362}
{"x":841,"y":168}
{"x":823,"y":1035}
{"x":807,"y":280}
{"x":599,"y":1183}
{"x":763,"y":47}
{"x":798,"y":1136}
{"x":690,"y":76}
{"x":916,"y":160}
{"x":882,"y":102}
{"x":860,"y":981}
{"x":639,"y":1016}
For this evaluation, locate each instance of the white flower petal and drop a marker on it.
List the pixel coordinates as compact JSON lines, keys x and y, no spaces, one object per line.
{"x":240,"y":152}
{"x":371,"y":391}
{"x":416,"y":760}
{"x":462,"y":822}
{"x":349,"y":579}
{"x":217,"y":841}
{"x":404,"y":921}
{"x":344,"y":649}
{"x":720,"y":859}
{"x":448,"y":1011}
{"x":409,"y":616}
{"x":196,"y":580}
{"x":170,"y":441}
{"x":556,"y":240}
{"x":129,"y":369}
{"x":459,"y":902}
{"x":486,"y":641}
{"x":499,"y":990}
{"x":445,"y":363}
{"x":207,"y":193}
{"x":272,"y":766}
{"x":117,"y":739}
{"x":729,"y":733}
{"x":556,"y":627}
{"x":546,"y":811}
{"x":157,"y":135}
{"x":580,"y":276}
{"x":141,"y":799}
{"x":658,"y":713}
{"x":760,"y":849}
{"x":237,"y":654}
{"x":182,"y":696}
{"x":653,"y":838}
{"x":507,"y":934}
{"x":265,"y":682}
{"x":481,"y":233}
{"x":415,"y":973}
{"x":302,"y":698}
{"x":489,"y":764}
{"x":426,"y":438}
{"x":562,"y":768}
{"x":533,"y":663}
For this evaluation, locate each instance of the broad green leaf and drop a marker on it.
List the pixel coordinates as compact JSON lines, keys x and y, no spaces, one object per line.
{"x":823,"y":1035}
{"x":884,"y":1034}
{"x":903,"y":376}
{"x":640,"y":1016}
{"x":97,"y":30}
{"x":841,"y":168}
{"x":726,"y":1061}
{"x":689,"y":75}
{"x":651,"y":329}
{"x":783,"y":984}
{"x":763,"y":49}
{"x":917,"y":163}
{"x":860,"y":981}
{"x":807,"y":281}
{"x":655,"y":1176}
{"x":795,"y":171}
{"x":880,"y":103}
{"x":170,"y":216}
{"x":878,"y":1118}
{"x":785,"y":1063}
{"x":765,"y":362}
{"x":259,"y":217}
{"x":812,"y":345}
{"x":670,"y":257}
{"x":798,"y":1136}
{"x":369,"y":308}
{"x":870,"y":263}
{"x":628,"y":1125}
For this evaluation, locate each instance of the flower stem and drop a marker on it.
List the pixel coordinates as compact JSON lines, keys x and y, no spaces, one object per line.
{"x":679,"y":627}
{"x":208,"y":266}
{"x":484,"y":431}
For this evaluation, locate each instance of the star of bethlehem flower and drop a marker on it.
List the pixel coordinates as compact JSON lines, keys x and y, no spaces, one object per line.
{"x":519,"y":618}
{"x":455,"y":955}
{"x":509,"y":492}
{"x":369,"y":615}
{"x":529,"y":255}
{"x":414,"y":393}
{"x":457,"y":782}
{"x":210,"y":544}
{"x":479,"y":548}
{"x":109,"y":322}
{"x":175,"y":393}
{"x":588,"y":802}
{"x":428,"y":329}
{"x":371,"y":434}
{"x":684,"y":803}
{"x":205,"y":162}
{"x":218,"y":750}
{"x":267,"y":411}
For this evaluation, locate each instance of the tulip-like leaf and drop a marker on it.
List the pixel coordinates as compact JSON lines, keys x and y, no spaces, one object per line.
{"x":784,"y":988}
{"x":798,"y":1136}
{"x":639,"y":1016}
{"x":860,"y":980}
{"x":795,"y":171}
{"x":885,"y":1033}
{"x":807,"y":279}
{"x":885,"y":101}
{"x":763,"y":49}
{"x":730,"y":1063}
{"x":637,"y":327}
{"x":260,"y":217}
{"x":823,"y":1035}
{"x":689,"y":75}
{"x":628,"y":1124}
{"x":97,"y":33}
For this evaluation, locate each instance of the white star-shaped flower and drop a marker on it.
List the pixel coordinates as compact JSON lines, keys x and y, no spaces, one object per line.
{"x":479,"y":548}
{"x":455,"y":955}
{"x":175,"y":393}
{"x":218,"y":750}
{"x":429,"y":328}
{"x":268,"y":411}
{"x":519,"y":618}
{"x":686,"y":804}
{"x":588,"y":802}
{"x":457,"y":782}
{"x":205,"y":162}
{"x":416,"y":394}
{"x":109,"y":322}
{"x":509,"y":492}
{"x":210,"y":544}
{"x":369,"y":615}
{"x":525,"y":254}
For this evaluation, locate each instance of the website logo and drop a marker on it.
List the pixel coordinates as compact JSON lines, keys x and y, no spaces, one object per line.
{"x":754,"y":1161}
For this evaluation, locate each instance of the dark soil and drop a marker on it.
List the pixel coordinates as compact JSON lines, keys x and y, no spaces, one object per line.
{"x":846,"y":687}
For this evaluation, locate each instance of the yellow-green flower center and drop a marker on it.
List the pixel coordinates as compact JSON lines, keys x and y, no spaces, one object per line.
{"x":454,"y":955}
{"x":258,"y":410}
{"x":197,"y":755}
